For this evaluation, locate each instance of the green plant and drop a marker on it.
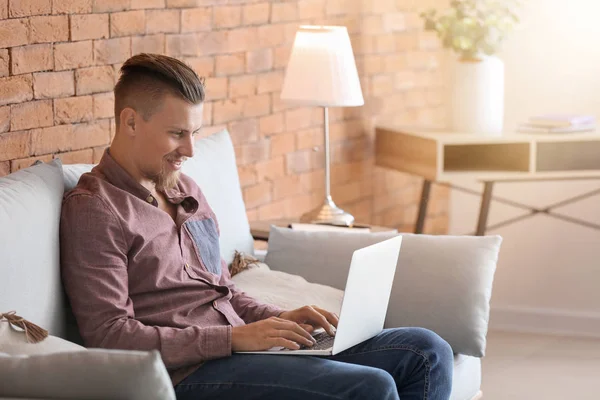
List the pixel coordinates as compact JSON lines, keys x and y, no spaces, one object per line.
{"x":473,"y":27}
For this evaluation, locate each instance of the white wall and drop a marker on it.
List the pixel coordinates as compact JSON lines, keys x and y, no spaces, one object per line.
{"x":548,"y":277}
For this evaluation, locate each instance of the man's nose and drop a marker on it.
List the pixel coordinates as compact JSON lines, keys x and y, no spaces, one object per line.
{"x":187,"y":147}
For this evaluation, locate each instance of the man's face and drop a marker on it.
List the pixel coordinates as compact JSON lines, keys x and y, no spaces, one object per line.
{"x":166,"y":140}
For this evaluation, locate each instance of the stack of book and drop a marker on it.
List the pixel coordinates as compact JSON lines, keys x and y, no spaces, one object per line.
{"x":559,"y":123}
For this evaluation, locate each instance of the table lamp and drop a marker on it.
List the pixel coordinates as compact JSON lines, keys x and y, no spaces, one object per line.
{"x":322,"y":72}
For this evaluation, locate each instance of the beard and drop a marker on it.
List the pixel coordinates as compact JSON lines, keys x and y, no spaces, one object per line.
{"x":165,"y":179}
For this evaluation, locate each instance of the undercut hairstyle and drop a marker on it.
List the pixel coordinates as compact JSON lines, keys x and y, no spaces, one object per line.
{"x":147,"y":78}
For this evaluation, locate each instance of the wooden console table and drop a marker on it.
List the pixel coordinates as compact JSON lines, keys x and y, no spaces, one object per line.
{"x":441,"y":157}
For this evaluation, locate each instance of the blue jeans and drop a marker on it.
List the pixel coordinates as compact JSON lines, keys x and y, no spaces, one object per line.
{"x":401,"y":363}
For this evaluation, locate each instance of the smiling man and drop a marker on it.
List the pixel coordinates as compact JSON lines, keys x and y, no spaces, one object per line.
{"x":142,"y":268}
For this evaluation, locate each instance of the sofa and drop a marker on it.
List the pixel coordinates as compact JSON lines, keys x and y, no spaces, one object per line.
{"x":30,"y":202}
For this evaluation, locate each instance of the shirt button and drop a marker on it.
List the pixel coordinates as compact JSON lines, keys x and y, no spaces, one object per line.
{"x":150,"y":199}
{"x":186,"y":266}
{"x":215,"y":304}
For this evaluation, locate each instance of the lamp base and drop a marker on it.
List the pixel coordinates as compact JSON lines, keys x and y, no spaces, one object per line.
{"x":328,"y":213}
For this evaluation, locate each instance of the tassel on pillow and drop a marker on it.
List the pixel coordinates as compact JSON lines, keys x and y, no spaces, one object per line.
{"x":33,"y":333}
{"x":241,"y":261}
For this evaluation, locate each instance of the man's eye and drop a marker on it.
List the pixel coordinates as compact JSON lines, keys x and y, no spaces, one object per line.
{"x":195,"y":133}
{"x":177,"y":133}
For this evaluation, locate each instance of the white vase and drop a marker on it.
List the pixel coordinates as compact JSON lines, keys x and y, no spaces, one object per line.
{"x":477,"y":96}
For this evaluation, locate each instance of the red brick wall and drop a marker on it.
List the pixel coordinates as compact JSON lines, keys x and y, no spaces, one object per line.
{"x":59,"y":60}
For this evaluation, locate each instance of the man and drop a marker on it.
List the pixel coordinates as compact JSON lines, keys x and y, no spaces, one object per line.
{"x":142,"y":268}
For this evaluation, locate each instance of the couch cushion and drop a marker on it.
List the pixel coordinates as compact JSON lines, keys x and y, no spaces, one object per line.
{"x":30,"y":202}
{"x":91,"y":374}
{"x":72,"y":173}
{"x":285,"y":290}
{"x":443,"y":283}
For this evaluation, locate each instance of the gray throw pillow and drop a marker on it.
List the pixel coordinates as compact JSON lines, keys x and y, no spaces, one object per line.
{"x":443,"y":283}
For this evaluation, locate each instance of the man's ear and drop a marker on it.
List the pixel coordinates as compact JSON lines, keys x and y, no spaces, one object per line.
{"x":128,"y":121}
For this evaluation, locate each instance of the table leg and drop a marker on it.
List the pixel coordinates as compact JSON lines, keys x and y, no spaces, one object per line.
{"x":425,"y":192}
{"x":484,"y":211}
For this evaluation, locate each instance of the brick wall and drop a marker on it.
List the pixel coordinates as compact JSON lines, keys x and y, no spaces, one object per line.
{"x":59,"y":60}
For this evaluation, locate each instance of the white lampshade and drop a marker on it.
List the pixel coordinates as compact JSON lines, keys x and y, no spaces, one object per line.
{"x":321,"y":70}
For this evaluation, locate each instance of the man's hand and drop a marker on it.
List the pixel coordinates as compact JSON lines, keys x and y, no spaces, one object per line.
{"x":313,"y":315}
{"x":270,"y":332}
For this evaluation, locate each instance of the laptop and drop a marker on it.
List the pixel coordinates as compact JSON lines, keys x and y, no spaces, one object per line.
{"x":364,"y":305}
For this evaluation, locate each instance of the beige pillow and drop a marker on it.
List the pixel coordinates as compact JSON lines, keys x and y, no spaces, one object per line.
{"x":285,"y":290}
{"x":13,"y":342}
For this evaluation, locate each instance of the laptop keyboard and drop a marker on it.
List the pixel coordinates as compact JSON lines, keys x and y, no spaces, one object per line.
{"x":324,"y":341}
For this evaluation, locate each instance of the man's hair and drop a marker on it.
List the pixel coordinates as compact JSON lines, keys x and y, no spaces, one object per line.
{"x":145,"y":80}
